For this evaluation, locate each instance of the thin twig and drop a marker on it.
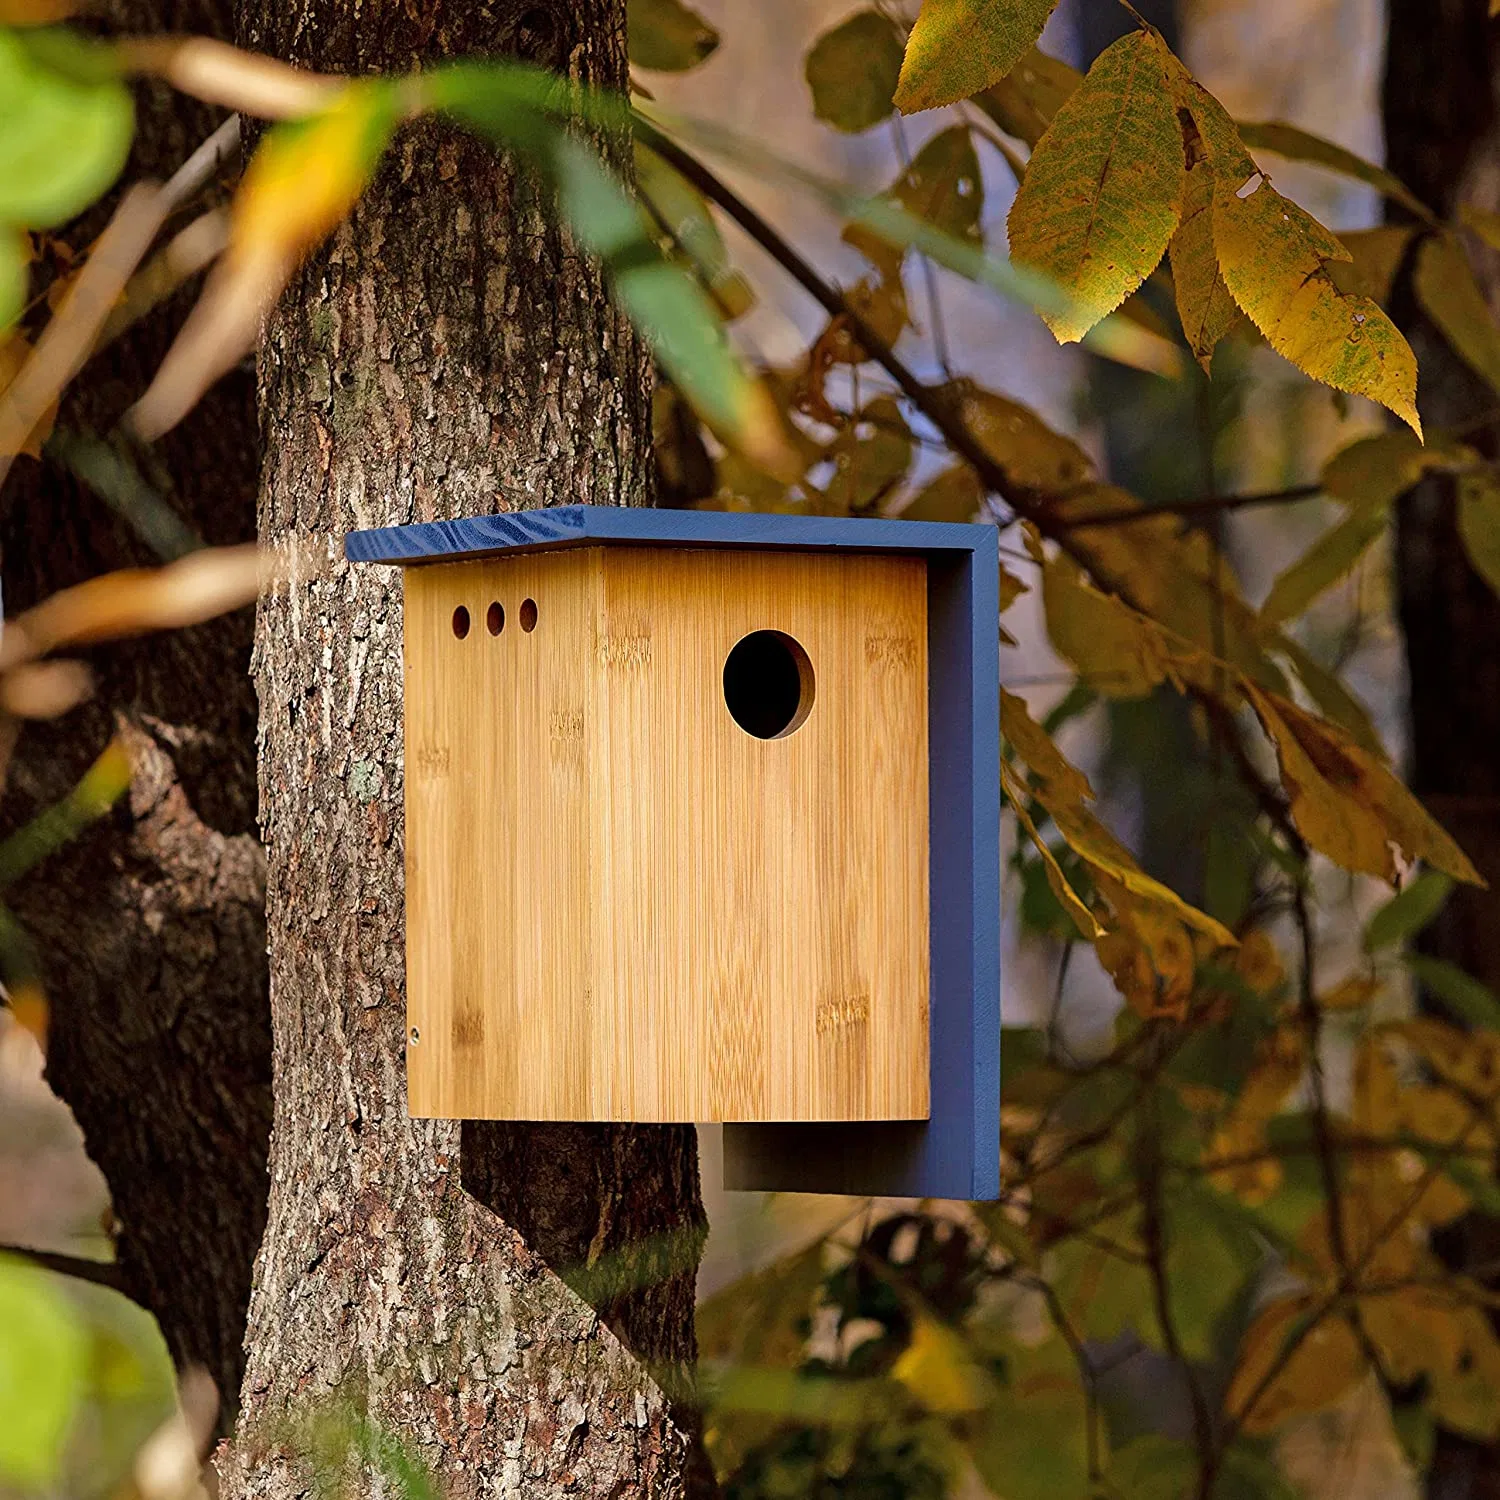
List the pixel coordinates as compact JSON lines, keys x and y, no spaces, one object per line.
{"x":1154,"y":1232}
{"x":80,"y":1268}
{"x":1203,"y":505}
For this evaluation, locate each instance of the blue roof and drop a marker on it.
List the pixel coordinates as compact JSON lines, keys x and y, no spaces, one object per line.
{"x":592,"y":525}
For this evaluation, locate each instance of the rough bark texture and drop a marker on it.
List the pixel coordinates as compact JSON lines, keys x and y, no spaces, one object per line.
{"x":1442,"y":140}
{"x":150,"y":929}
{"x":450,"y":352}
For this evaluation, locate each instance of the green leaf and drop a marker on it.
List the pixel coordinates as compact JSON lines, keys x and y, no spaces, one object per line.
{"x":1153,"y":1468}
{"x":97,"y":791}
{"x":1103,"y":191}
{"x":1445,"y":286}
{"x":1323,"y":564}
{"x":1025,"y":102}
{"x":515,"y":108}
{"x":666,"y":36}
{"x":852,"y":72}
{"x":1467,"y":998}
{"x":680,"y":211}
{"x":43,"y":1366}
{"x":1275,"y":260}
{"x":63,"y":139}
{"x":958,"y":47}
{"x":1301,"y":145}
{"x":1032,"y":1443}
{"x":1479,"y":523}
{"x":1408,"y":912}
{"x":15,"y":275}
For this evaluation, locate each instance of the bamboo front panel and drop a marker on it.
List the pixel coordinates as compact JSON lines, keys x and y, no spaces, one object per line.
{"x":623,"y":906}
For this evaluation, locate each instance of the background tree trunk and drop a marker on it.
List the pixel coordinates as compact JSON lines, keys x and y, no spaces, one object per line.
{"x":150,"y":928}
{"x":449,"y":353}
{"x":1442,"y":140}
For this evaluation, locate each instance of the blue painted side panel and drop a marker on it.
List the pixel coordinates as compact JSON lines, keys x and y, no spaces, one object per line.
{"x":955,"y":1153}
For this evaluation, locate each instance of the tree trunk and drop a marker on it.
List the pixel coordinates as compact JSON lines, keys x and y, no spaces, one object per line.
{"x":1442,"y":140}
{"x":149,"y":929}
{"x":449,"y":353}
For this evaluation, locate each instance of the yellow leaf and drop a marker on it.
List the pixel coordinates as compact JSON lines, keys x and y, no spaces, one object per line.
{"x":1062,"y":783}
{"x":198,"y":587}
{"x":1326,"y":1361}
{"x":1334,"y":554}
{"x":1466,"y":1396}
{"x":938,"y":1370}
{"x":1348,"y":805}
{"x":1377,"y":1088}
{"x":1375,"y":257}
{"x":1445,"y":286}
{"x":1259,"y":964}
{"x":14,"y":352}
{"x":1177,"y":580}
{"x":303,"y":180}
{"x":1479,"y":523}
{"x":36,"y":12}
{"x":1026,"y":100}
{"x":1147,"y":953}
{"x":1067,"y":898}
{"x":958,"y":47}
{"x":1118,"y":652}
{"x":1295,"y":144}
{"x":1031,"y":454}
{"x":1088,"y":837}
{"x":1417,"y":1331}
{"x":1103,"y":190}
{"x":1062,"y":789}
{"x":1204,"y":306}
{"x":1274,"y":258}
{"x":1484,"y":223}
{"x":1327,"y":690}
{"x":955,"y":494}
{"x":1376,"y":470}
{"x":1350,"y":993}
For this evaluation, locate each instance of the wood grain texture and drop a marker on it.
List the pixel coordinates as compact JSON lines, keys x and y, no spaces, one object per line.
{"x":620,"y":905}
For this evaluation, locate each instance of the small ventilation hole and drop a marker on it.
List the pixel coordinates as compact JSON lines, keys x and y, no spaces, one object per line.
{"x":495,"y":618}
{"x":528,"y":615}
{"x":460,"y":622}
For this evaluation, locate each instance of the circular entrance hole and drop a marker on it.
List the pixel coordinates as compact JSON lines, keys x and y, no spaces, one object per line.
{"x":460,"y":622}
{"x":494,"y":620}
{"x":528,"y":615}
{"x":768,"y":684}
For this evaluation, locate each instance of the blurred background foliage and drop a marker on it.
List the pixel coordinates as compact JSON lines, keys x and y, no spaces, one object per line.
{"x":1249,"y":1105}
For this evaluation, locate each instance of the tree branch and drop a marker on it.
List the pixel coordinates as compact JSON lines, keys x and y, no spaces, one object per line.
{"x":928,"y":400}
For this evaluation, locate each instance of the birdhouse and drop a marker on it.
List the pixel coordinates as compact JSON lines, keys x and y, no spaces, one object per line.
{"x":702,"y":824}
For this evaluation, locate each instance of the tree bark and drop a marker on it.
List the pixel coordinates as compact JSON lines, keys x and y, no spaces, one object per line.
{"x":150,"y":928}
{"x":1441,"y":139}
{"x":450,"y":352}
